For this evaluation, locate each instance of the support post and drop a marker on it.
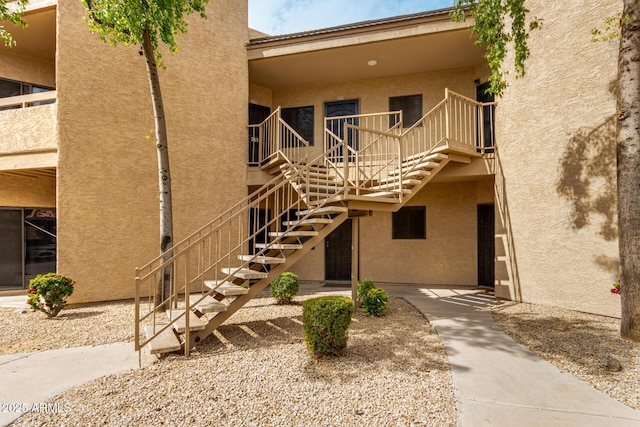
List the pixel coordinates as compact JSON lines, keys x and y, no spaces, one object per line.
{"x":355,"y":258}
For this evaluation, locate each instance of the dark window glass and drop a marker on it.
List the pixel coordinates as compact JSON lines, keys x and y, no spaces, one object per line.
{"x":411,"y":107}
{"x":301,"y":120}
{"x":410,"y":222}
{"x":10,"y":88}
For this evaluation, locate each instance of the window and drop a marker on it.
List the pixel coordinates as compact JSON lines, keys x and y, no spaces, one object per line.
{"x":411,"y":107}
{"x":10,"y":88}
{"x":301,"y":120}
{"x":410,"y":222}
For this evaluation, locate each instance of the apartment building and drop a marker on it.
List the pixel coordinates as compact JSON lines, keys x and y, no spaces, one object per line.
{"x":383,"y":124}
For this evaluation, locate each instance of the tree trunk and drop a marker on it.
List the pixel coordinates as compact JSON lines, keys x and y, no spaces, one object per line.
{"x":628,"y":156}
{"x":163,"y":289}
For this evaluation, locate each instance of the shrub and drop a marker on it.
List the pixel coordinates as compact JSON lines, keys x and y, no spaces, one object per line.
{"x":325,"y":321}
{"x":285,"y":287}
{"x":374,"y":304}
{"x":364,"y":286}
{"x":47,"y":293}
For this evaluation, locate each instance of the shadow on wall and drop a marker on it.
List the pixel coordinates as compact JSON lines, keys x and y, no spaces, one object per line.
{"x":588,"y":170}
{"x":507,"y":279}
{"x":588,"y":181}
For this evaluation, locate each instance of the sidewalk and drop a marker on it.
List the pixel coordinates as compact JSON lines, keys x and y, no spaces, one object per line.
{"x":499,"y":382}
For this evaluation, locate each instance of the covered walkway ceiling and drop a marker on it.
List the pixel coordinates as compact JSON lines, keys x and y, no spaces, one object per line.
{"x":403,"y":45}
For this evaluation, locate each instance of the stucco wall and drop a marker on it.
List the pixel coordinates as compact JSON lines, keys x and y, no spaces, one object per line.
{"x":28,"y":130}
{"x":29,"y":69}
{"x":447,"y":256}
{"x":260,"y":95}
{"x":556,"y":180}
{"x":27,"y":192}
{"x":107,"y":186}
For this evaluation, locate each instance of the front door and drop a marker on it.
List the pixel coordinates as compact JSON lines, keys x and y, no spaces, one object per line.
{"x":339,"y":109}
{"x":486,"y":245}
{"x":337,"y":254}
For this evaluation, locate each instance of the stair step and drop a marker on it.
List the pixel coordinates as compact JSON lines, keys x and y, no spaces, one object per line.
{"x":208,"y":304}
{"x":316,"y":181}
{"x":195,"y":323}
{"x":393,"y":185}
{"x":244,"y":273}
{"x":279,"y":246}
{"x":262,"y":259}
{"x":386,"y":193}
{"x":412,"y":174}
{"x":165,"y":342}
{"x":330,"y":189}
{"x":308,"y":221}
{"x":299,"y":233}
{"x":421,"y":165}
{"x":327,"y":210}
{"x":421,"y":156}
{"x":227,"y":289}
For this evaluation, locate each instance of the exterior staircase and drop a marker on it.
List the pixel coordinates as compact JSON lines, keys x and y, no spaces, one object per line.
{"x":219,"y":268}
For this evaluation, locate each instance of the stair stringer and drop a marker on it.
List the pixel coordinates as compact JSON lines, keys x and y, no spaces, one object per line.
{"x":196,"y":337}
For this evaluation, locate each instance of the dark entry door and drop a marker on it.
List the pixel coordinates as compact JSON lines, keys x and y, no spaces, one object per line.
{"x":257,"y":115}
{"x":337,"y":254}
{"x":338,"y":109}
{"x":488,"y":114}
{"x":486,"y":245}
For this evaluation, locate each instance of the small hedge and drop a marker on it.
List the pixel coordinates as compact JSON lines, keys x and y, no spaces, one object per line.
{"x":364,"y":286}
{"x":374,"y":304}
{"x":285,"y":287}
{"x":325,"y":322}
{"x":47,"y":293}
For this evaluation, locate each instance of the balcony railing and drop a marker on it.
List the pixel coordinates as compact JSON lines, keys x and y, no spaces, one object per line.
{"x":30,"y":100}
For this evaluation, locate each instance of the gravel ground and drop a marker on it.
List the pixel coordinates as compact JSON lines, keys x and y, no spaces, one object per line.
{"x":256,"y":371}
{"x":577,"y":343}
{"x":26,"y":331}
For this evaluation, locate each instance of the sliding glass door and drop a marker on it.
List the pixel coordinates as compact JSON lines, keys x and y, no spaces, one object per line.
{"x":11,"y":249}
{"x":27,"y":245}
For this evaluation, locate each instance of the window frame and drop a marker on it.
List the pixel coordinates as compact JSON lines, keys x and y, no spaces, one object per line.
{"x":308,"y":135}
{"x":404,"y":223}
{"x":406,"y":103}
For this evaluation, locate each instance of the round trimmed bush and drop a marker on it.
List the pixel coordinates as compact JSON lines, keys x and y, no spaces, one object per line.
{"x":47,"y":293}
{"x":326,"y":322}
{"x":364,"y":286}
{"x":285,"y":287}
{"x":374,"y":304}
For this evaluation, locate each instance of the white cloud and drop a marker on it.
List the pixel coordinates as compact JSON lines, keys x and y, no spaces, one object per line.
{"x":289,"y":16}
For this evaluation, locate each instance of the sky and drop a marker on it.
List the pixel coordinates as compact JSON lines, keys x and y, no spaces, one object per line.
{"x":276,"y":17}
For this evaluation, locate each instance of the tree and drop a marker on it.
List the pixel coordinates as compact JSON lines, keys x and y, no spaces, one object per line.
{"x":489,"y":24}
{"x":628,"y":168}
{"x":149,"y":23}
{"x":11,"y":14}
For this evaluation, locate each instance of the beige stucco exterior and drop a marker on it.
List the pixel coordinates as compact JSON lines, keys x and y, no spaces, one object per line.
{"x":556,"y":139}
{"x":107,"y":186}
{"x":552,"y":181}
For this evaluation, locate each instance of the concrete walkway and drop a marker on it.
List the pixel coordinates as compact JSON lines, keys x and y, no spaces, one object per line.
{"x":497,"y":381}
{"x":29,"y":380}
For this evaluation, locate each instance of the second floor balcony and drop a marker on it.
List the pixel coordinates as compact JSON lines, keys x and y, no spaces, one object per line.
{"x":28,"y":124}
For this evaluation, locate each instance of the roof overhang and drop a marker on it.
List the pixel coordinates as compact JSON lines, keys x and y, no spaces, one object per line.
{"x":401,"y":45}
